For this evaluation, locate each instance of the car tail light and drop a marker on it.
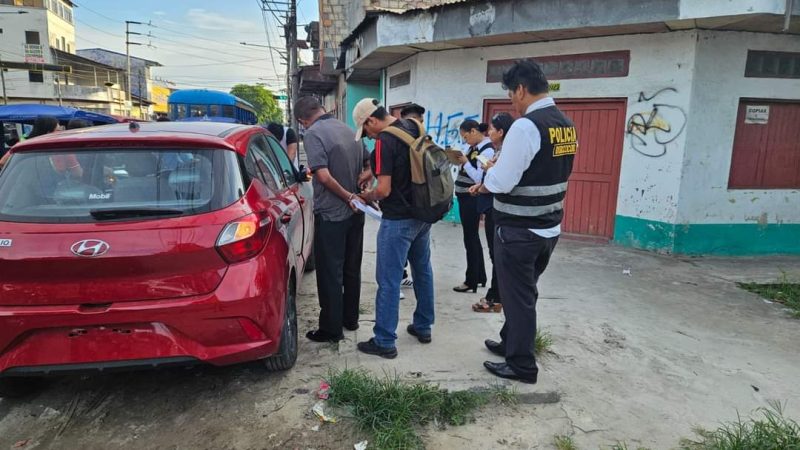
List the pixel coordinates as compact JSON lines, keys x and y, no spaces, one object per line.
{"x":243,"y":239}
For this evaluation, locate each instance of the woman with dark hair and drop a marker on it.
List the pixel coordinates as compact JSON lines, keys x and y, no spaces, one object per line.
{"x":43,"y":125}
{"x":498,"y":129}
{"x":471,"y":173}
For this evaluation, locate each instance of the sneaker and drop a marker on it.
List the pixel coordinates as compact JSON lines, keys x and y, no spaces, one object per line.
{"x":402,"y":296}
{"x":407,"y":283}
{"x":371,"y":348}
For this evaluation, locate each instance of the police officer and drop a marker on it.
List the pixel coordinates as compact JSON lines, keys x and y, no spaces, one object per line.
{"x":529,"y":181}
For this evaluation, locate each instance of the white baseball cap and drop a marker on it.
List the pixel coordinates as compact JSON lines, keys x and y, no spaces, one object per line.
{"x":363,"y":110}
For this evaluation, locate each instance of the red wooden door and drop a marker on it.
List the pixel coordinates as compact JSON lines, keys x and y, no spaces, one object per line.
{"x":591,"y":202}
{"x":766,"y":146}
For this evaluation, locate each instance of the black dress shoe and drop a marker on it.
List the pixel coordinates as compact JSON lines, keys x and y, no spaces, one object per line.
{"x":352,"y":327}
{"x":495,"y":347}
{"x":503,"y":371}
{"x":323,"y":336}
{"x":424,"y":338}
{"x":371,"y":348}
{"x":463,"y":287}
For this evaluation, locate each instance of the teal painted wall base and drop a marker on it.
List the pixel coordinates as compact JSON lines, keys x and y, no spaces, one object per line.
{"x":707,"y":239}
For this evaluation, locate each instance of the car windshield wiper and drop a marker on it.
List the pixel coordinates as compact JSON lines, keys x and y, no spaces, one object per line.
{"x":119,"y":213}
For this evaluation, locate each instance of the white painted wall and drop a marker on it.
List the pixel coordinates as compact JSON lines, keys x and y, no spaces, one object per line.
{"x":719,"y":84}
{"x":697,"y":9}
{"x":454,"y":81}
{"x":12,"y":48}
{"x":58,"y":28}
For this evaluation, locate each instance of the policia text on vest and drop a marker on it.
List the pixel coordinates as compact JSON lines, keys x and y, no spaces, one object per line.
{"x":564,"y":141}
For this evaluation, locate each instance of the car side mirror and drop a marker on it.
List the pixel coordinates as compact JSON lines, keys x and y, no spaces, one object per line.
{"x":303,"y":174}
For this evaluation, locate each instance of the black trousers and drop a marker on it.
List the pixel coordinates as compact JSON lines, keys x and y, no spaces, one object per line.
{"x":521,"y":257}
{"x":470,"y":225}
{"x":338,"y":249}
{"x":493,"y":294}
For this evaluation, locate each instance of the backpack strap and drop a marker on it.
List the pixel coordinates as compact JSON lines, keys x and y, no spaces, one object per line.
{"x":420,"y":126}
{"x":400,"y":134}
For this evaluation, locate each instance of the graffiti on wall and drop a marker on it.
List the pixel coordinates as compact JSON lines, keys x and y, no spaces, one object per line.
{"x":657,"y":124}
{"x":443,"y":128}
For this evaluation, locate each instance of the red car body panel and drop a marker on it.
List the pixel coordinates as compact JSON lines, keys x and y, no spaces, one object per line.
{"x":162,"y":290}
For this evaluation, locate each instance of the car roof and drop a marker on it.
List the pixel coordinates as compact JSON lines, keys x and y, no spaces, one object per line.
{"x":171,"y":134}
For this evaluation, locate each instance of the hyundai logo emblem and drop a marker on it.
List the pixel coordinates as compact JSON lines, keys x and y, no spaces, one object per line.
{"x":90,"y":248}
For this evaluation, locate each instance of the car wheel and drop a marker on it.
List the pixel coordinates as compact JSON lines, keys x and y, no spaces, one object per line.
{"x":287,"y":351}
{"x":311,"y":264}
{"x":17,"y":387}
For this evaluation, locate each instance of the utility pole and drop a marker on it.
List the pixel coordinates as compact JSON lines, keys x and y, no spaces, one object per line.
{"x":128,"y":44}
{"x":291,"y":43}
{"x":3,"y":78}
{"x":285,"y":13}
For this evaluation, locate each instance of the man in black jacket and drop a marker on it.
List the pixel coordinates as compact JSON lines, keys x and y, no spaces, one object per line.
{"x":529,"y":181}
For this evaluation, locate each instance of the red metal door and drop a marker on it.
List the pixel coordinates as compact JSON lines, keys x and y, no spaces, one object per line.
{"x":591,"y":202}
{"x":766,"y":146}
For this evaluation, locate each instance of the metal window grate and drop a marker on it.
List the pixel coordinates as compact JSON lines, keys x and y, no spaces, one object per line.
{"x":763,"y":64}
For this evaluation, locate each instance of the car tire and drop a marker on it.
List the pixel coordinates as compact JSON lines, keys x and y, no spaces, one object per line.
{"x":286,"y":356}
{"x":18,"y":387}
{"x":311,"y":264}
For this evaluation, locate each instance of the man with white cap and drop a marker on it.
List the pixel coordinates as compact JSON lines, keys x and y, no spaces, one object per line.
{"x":401,"y":237}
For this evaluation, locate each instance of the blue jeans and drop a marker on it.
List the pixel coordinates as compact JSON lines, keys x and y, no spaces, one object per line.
{"x":400,"y":241}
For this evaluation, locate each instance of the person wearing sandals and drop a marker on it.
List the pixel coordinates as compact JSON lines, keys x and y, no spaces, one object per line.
{"x":471,"y":173}
{"x":498,"y":129}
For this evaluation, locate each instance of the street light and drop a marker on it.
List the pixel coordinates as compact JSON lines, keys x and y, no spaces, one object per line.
{"x":281,"y":51}
{"x":13,"y":12}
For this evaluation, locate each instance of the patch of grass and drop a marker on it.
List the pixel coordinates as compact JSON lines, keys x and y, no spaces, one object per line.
{"x":772,"y":430}
{"x":564,"y":443}
{"x":783,"y":292}
{"x":391,"y":410}
{"x":504,"y":395}
{"x":624,"y":446}
{"x":543,"y":342}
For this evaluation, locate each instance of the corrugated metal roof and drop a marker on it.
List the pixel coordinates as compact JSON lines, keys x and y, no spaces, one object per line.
{"x":420,"y":5}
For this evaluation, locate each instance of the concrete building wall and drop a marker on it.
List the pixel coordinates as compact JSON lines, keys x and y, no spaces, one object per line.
{"x":452,"y":85}
{"x":12,"y":48}
{"x":672,"y":197}
{"x":709,"y":210}
{"x":62,"y":31}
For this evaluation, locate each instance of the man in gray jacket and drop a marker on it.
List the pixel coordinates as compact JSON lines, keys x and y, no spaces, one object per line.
{"x":338,"y":163}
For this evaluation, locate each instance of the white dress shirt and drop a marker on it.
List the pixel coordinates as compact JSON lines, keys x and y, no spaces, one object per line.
{"x":519,"y":148}
{"x":476,"y":173}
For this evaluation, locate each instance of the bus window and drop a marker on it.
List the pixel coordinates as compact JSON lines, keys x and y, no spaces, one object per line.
{"x":181,"y":111}
{"x":213,"y":111}
{"x":227,"y":111}
{"x":198,"y":110}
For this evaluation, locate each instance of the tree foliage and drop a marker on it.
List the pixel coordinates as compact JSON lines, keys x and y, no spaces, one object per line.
{"x":262,"y":99}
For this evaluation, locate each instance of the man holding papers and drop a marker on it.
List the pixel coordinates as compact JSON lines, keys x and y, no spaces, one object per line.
{"x":339,"y":164}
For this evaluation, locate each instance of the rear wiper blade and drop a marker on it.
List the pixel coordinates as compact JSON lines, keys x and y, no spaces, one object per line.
{"x":118,"y":213}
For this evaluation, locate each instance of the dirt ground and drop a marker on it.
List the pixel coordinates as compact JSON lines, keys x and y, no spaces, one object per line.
{"x":640,"y":358}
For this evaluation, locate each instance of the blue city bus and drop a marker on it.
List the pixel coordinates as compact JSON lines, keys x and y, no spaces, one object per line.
{"x":215,"y":106}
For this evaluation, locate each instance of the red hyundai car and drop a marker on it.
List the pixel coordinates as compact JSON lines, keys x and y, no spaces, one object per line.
{"x":135,"y":246}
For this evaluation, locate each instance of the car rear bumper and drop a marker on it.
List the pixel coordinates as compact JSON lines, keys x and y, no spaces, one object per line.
{"x":240,"y":321}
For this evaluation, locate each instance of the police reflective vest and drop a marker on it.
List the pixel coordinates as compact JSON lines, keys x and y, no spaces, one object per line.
{"x":463,"y":181}
{"x":537,"y":202}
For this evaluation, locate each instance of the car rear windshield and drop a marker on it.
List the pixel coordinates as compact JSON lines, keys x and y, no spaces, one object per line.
{"x":112,"y":184}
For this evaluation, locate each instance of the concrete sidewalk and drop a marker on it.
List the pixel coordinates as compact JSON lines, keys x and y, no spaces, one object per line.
{"x":640,"y":358}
